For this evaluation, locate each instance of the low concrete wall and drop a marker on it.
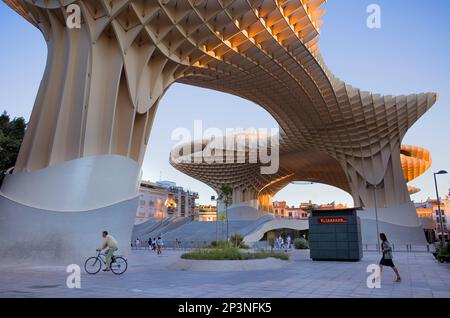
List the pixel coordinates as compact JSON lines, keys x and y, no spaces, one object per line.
{"x":258,"y":234}
{"x":76,"y":185}
{"x":52,"y":237}
{"x":242,"y":212}
{"x":397,"y":234}
{"x":400,"y":224}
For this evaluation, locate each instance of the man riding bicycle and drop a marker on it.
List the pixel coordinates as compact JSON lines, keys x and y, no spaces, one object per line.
{"x":108,"y":242}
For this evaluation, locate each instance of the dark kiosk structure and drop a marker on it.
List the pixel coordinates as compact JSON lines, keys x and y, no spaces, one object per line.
{"x":335,"y":235}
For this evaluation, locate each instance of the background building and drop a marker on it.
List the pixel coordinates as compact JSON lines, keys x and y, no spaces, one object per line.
{"x":428,"y":213}
{"x":281,"y":209}
{"x":332,"y":206}
{"x":206,"y":213}
{"x":152,"y":199}
{"x":163,"y":199}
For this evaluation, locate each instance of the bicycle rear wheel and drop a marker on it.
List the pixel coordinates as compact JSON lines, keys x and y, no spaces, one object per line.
{"x":93,"y":265}
{"x":119,"y":265}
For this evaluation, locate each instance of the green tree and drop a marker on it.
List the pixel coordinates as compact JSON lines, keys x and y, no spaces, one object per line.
{"x":301,"y":244}
{"x":222,"y":218}
{"x":11,"y":136}
{"x":226,"y":193}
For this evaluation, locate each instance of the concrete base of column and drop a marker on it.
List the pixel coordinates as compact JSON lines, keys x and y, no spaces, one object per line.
{"x":40,"y":236}
{"x":400,"y":224}
{"x":57,"y":214}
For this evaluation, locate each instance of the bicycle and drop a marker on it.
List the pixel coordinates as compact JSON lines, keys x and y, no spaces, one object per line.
{"x":93,"y":264}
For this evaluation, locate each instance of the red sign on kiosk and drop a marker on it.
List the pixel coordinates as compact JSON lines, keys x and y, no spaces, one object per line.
{"x":339,"y":220}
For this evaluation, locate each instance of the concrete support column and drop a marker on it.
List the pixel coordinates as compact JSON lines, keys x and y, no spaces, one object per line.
{"x":58,"y":213}
{"x":395,"y":212}
{"x":81,"y":155}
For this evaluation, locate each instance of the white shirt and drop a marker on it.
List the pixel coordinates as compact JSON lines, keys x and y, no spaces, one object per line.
{"x":109,"y":241}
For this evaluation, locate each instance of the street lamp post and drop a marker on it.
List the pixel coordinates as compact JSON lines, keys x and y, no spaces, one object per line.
{"x":213,"y":198}
{"x":439,"y":204}
{"x":219,"y":199}
{"x":375,"y":187}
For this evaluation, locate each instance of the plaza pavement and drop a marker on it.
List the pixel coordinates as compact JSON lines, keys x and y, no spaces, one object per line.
{"x":150,"y":275}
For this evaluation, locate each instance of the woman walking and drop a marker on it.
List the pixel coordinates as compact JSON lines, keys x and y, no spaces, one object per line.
{"x":159,"y":245}
{"x":154,"y":244}
{"x":386,"y":260}
{"x":150,"y":244}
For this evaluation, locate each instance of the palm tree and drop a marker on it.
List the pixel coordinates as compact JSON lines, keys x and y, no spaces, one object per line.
{"x":226,"y":193}
{"x":222,"y":219}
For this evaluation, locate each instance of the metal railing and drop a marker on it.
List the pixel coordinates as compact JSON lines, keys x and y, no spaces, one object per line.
{"x":172,"y":245}
{"x":189,"y":245}
{"x":279,"y":217}
{"x":264,"y":245}
{"x":424,"y":248}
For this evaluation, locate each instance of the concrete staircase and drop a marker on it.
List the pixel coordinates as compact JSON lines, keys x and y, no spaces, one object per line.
{"x":195,"y":234}
{"x":201,"y":233}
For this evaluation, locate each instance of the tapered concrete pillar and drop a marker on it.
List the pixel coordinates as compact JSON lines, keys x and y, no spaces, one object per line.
{"x":378,"y":185}
{"x":79,"y":165}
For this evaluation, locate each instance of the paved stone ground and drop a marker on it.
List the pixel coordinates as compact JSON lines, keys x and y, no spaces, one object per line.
{"x":150,"y":275}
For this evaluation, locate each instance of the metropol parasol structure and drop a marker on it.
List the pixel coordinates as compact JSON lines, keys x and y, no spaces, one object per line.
{"x":79,"y":164}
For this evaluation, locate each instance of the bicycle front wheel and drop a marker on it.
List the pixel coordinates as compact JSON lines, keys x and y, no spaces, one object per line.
{"x":93,"y":265}
{"x":119,"y":266}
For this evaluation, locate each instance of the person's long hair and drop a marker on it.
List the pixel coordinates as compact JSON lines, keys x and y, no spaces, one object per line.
{"x":383,"y":237}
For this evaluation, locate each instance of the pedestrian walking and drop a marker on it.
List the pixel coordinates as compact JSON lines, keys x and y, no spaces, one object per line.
{"x":150,"y":244}
{"x":159,"y":245}
{"x":138,"y":243}
{"x":289,"y":239}
{"x":386,"y":259}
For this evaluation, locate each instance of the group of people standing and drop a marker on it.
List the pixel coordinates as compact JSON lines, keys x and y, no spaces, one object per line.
{"x":155,"y":244}
{"x":281,"y":243}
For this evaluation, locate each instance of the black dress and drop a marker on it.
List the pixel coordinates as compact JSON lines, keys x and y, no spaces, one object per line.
{"x":386,"y":261}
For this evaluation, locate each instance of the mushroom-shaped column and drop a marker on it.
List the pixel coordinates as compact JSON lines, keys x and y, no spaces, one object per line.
{"x":78,"y":168}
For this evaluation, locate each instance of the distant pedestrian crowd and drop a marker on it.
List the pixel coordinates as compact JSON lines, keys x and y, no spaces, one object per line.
{"x":281,"y":243}
{"x":153,"y":244}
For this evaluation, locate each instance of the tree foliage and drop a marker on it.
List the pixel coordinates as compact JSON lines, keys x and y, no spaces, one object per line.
{"x":301,"y":244}
{"x":11,"y":136}
{"x":226,"y":192}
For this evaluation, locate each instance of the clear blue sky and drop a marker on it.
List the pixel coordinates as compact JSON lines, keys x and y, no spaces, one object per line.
{"x":409,"y":54}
